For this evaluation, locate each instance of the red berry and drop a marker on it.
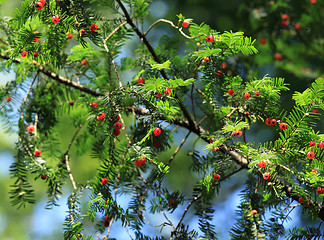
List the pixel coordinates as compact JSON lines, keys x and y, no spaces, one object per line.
{"x":237,"y":133}
{"x":55,"y":19}
{"x":138,"y":163}
{"x":278,"y":56}
{"x":257,"y":93}
{"x":312,"y":143}
{"x":185,"y":24}
{"x":43,"y":177}
{"x":216,"y":149}
{"x":219,"y":72}
{"x":310,"y":155}
{"x":301,"y":200}
{"x":36,"y":39}
{"x":223,"y":66}
{"x":101,"y":116}
{"x":283,"y":24}
{"x":268,"y":121}
{"x":157,"y":131}
{"x":9,"y":99}
{"x":263,"y":41}
{"x":314,"y":171}
{"x":42,"y":1}
{"x":117,"y":125}
{"x":172,"y":202}
{"x":283,"y":126}
{"x":285,"y":17}
{"x":116,"y":132}
{"x":140,"y":80}
{"x":69,"y":36}
{"x":315,"y":111}
{"x":320,"y":145}
{"x":104,"y":181}
{"x":206,"y":59}
{"x":71,"y":103}
{"x":144,"y":160}
{"x":93,"y":104}
{"x":35,"y":54}
{"x":319,"y":190}
{"x":266,"y":176}
{"x":247,"y":95}
{"x":312,"y":2}
{"x":167,"y":91}
{"x":82,"y":31}
{"x":93,"y":27}
{"x":37,"y":152}
{"x":209,"y":38}
{"x":254,"y":212}
{"x":39,"y":5}
{"x":158,"y":94}
{"x":107,"y":218}
{"x":273,"y":121}
{"x":84,"y":62}
{"x":23,"y":53}
{"x":211,"y":140}
{"x":157,"y":144}
{"x":31,"y":128}
{"x":262,"y":164}
{"x":216,"y":177}
{"x":115,"y":118}
{"x":297,"y":26}
{"x":230,"y":91}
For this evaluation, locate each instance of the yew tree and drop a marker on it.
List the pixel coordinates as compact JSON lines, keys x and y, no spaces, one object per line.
{"x":126,"y":112}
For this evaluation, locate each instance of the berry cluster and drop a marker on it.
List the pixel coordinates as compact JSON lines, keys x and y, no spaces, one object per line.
{"x":139,"y":162}
{"x":117,"y":125}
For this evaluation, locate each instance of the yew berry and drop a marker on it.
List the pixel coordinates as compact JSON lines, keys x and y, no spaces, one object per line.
{"x":43,"y":177}
{"x":167,"y":91}
{"x":262,"y":164}
{"x":237,"y":133}
{"x":23,"y":53}
{"x":157,"y":131}
{"x":104,"y":181}
{"x":312,"y":2}
{"x":310,"y":155}
{"x":82,"y":31}
{"x":219,"y":72}
{"x":117,"y":125}
{"x":39,"y":5}
{"x":301,"y":200}
{"x":172,"y":202}
{"x":315,"y":111}
{"x":185,"y":24}
{"x":223,"y":66}
{"x":138,"y":163}
{"x":42,"y":1}
{"x":93,"y":104}
{"x":278,"y":57}
{"x":55,"y":19}
{"x":144,"y":160}
{"x":268,"y":121}
{"x":71,"y":103}
{"x":69,"y":36}
{"x":31,"y":128}
{"x":263,"y":41}
{"x":257,"y":93}
{"x":36,"y":39}
{"x":283,"y":126}
{"x":206,"y":59}
{"x":84,"y":62}
{"x":101,"y":116}
{"x":35,"y":54}
{"x":314,"y":171}
{"x":115,"y":118}
{"x":37,"y":152}
{"x":157,"y":144}
{"x":230,"y":91}
{"x":107,"y":218}
{"x":216,"y":177}
{"x":320,"y":145}
{"x":285,"y":17}
{"x":320,"y":190}
{"x":93,"y":27}
{"x":273,"y":121}
{"x":312,"y":143}
{"x":216,"y":149}
{"x":247,"y":95}
{"x":254,"y":212}
{"x":209,"y":38}
{"x":9,"y":99}
{"x":211,"y":140}
{"x":140,"y":80}
{"x":158,"y":95}
{"x":266,"y":176}
{"x":116,"y":132}
{"x":297,"y":26}
{"x":283,"y":24}
{"x":140,"y":215}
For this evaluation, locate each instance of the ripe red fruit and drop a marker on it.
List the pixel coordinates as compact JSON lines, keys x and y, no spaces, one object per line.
{"x":55,"y":19}
{"x":116,"y":132}
{"x":223,"y":66}
{"x":23,"y":53}
{"x":82,"y":31}
{"x":115,"y":118}
{"x":37,"y":152}
{"x":39,"y":5}
{"x":117,"y":125}
{"x":9,"y":99}
{"x":231,"y":92}
{"x":104,"y":181}
{"x":216,"y":149}
{"x":206,"y":59}
{"x":263,"y":41}
{"x":310,"y":155}
{"x":84,"y":62}
{"x":93,"y":104}
{"x":262,"y":164}
{"x":35,"y":54}
{"x":42,"y":1}
{"x":101,"y":116}
{"x":93,"y":27}
{"x":283,"y":24}
{"x":157,"y":144}
{"x":69,"y":36}
{"x":138,"y":163}
{"x":185,"y":24}
{"x":273,"y":121}
{"x":315,"y":111}
{"x":216,"y":177}
{"x":36,"y":39}
{"x":71,"y":103}
{"x":312,"y":143}
{"x":320,"y":145}
{"x":285,"y":17}
{"x":157,"y":131}
{"x":312,"y":2}
{"x":254,"y":212}
{"x":268,"y":121}
{"x":297,"y":26}
{"x":107,"y":218}
{"x":320,"y":190}
{"x":31,"y":128}
{"x":237,"y":133}
{"x":158,"y":94}
{"x":257,"y":93}
{"x":43,"y":177}
{"x":167,"y":91}
{"x":211,"y":140}
{"x":140,"y":80}
{"x":266,"y":176}
{"x":301,"y":200}
{"x":219,"y":72}
{"x":278,"y":57}
{"x":314,"y":171}
{"x":209,"y":38}
{"x":247,"y":95}
{"x":172,"y":202}
{"x":283,"y":126}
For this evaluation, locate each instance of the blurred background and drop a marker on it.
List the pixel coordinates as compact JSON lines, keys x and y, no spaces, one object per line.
{"x":301,"y":63}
